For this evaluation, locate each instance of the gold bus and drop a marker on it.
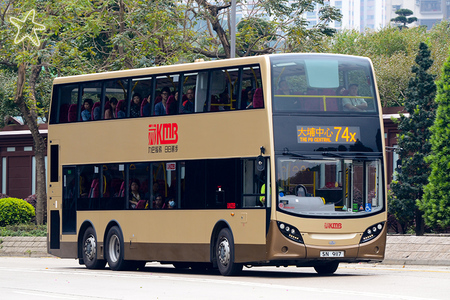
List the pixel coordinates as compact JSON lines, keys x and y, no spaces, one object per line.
{"x":263,"y":161}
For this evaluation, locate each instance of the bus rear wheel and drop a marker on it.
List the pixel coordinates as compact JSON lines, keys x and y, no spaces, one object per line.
{"x":89,"y":251}
{"x":327,"y":268}
{"x":225,"y":254}
{"x":114,"y":249}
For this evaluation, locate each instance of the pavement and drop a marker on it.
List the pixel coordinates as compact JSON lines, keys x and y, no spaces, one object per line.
{"x":400,"y":249}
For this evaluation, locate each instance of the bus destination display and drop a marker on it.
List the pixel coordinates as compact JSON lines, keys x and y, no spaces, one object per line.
{"x":327,"y":134}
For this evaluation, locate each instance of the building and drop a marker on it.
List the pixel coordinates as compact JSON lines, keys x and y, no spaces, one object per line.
{"x":17,"y":160}
{"x":428,"y":12}
{"x":356,"y":14}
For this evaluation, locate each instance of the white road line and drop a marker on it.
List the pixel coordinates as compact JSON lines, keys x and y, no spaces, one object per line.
{"x":135,"y":275}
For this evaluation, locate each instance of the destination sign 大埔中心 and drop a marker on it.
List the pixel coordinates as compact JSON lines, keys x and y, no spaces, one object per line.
{"x":327,"y":134}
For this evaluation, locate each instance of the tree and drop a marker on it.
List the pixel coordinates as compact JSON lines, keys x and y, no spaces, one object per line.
{"x":22,"y":61}
{"x":285,"y":29}
{"x":403,"y":19}
{"x":414,"y":144}
{"x":436,"y":200}
{"x":80,"y":37}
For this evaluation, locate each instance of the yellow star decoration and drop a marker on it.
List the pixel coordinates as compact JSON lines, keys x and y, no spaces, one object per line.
{"x":27,"y":28}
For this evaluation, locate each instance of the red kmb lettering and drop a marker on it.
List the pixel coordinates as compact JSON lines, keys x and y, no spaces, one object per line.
{"x":333,"y":225}
{"x":163,"y":134}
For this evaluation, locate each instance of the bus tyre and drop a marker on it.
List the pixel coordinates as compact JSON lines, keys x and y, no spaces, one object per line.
{"x":225,"y":254}
{"x":89,"y":250}
{"x":327,"y":269}
{"x":114,"y":249}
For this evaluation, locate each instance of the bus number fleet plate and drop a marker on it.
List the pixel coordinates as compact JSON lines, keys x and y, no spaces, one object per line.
{"x":331,"y":253}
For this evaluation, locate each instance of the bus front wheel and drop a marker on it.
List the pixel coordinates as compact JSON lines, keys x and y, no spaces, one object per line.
{"x":114,"y":247}
{"x":89,"y":251}
{"x":327,"y":269}
{"x":225,"y":254}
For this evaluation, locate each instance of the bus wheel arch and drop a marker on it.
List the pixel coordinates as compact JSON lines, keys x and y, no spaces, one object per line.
{"x":83,"y":228}
{"x":88,"y":247}
{"x":214,"y":236}
{"x":223,"y":250}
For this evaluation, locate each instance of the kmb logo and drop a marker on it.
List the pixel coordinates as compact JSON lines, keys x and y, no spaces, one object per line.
{"x":333,"y":225}
{"x":163,"y":134}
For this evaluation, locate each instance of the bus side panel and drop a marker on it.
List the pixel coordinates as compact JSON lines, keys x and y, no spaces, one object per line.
{"x":159,"y":235}
{"x":66,"y":250}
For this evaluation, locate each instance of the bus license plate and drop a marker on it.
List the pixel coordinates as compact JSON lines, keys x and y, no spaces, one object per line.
{"x":331,"y":253}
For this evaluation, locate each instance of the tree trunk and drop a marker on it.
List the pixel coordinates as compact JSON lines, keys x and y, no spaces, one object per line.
{"x":213,"y":17}
{"x":30,"y":119}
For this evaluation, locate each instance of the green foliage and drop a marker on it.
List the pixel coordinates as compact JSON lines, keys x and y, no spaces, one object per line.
{"x":23,"y":230}
{"x":436,"y":201}
{"x":15,"y":211}
{"x":413,"y":141}
{"x":7,"y":106}
{"x":269,"y":26}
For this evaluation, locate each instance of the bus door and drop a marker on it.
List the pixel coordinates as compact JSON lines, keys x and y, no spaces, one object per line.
{"x":69,"y":203}
{"x":354,"y":186}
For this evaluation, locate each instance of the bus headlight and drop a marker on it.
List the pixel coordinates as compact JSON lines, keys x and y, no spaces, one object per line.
{"x":290,"y":232}
{"x":372,"y":232}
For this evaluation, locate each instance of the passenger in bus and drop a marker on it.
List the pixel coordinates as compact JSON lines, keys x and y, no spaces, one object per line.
{"x":283,"y":88}
{"x":188,"y":105}
{"x":109,"y":111}
{"x":147,"y":109}
{"x":247,"y":98}
{"x":160,"y":108}
{"x":354,"y":104}
{"x":341,"y":91}
{"x":159,"y":202}
{"x":135,"y":109}
{"x":171,"y":203}
{"x":172,"y":104}
{"x":86,"y":113}
{"x":135,"y":195}
{"x":121,"y":109}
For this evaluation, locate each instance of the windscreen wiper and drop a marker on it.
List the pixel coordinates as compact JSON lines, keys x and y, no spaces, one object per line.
{"x":286,"y":152}
{"x":330,"y":154}
{"x":350,"y":154}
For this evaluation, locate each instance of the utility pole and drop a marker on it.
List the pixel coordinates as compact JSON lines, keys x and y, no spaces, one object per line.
{"x":233,"y":29}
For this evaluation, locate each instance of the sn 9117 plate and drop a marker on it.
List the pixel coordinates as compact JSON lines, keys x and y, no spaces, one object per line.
{"x":331,"y":253}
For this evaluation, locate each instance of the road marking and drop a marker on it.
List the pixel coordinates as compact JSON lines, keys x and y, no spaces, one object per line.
{"x":135,"y":275}
{"x":396,"y":269}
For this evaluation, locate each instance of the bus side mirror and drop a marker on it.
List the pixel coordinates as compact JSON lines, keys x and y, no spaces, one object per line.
{"x":260,"y":163}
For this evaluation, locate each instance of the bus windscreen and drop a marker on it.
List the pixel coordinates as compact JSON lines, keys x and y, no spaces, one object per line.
{"x":323,"y":84}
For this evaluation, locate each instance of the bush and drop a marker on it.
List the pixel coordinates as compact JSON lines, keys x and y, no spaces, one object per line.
{"x":23,"y":230}
{"x":15,"y":211}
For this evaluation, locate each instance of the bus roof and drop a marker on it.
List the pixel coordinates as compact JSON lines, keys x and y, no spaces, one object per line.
{"x":181,"y":67}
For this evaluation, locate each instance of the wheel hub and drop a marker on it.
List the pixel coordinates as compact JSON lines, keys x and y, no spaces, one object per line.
{"x":223,"y":252}
{"x":114,"y":248}
{"x":90,"y":247}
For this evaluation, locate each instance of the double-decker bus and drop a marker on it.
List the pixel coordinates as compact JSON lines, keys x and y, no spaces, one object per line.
{"x":262,"y":161}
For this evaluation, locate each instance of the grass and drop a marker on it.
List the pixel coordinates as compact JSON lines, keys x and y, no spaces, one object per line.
{"x":24,"y":230}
